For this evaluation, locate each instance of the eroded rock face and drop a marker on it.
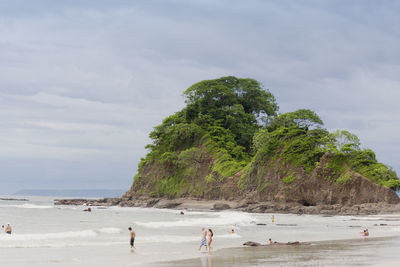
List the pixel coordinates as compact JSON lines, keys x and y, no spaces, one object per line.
{"x":311,"y":193}
{"x":266,"y":184}
{"x":265,"y":189}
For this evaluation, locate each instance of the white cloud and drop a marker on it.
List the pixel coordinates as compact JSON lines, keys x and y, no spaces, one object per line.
{"x":83,"y":85}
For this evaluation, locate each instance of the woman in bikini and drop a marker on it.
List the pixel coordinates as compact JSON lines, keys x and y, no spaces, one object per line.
{"x":210,"y":237}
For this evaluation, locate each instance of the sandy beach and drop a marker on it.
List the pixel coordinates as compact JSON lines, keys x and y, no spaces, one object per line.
{"x":49,"y":235}
{"x":353,"y":252}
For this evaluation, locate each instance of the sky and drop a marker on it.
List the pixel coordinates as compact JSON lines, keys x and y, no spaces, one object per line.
{"x":83,"y":83}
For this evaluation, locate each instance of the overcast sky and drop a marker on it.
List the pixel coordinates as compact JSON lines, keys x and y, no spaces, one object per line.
{"x":82,"y":83}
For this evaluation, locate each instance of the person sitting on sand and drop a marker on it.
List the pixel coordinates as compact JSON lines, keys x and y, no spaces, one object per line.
{"x":210,"y":237}
{"x":203,"y":241}
{"x":8,"y":229}
{"x":133,"y":235}
{"x":273,"y":242}
{"x":233,"y":231}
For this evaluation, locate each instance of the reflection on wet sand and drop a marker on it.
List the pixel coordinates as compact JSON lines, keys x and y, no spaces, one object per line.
{"x":207,"y":260}
{"x":352,"y":252}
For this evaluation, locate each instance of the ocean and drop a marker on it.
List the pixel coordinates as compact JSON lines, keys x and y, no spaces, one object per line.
{"x":48,"y":235}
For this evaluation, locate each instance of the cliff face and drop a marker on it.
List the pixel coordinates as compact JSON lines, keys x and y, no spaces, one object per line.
{"x":267,"y":181}
{"x":196,"y":179}
{"x":283,"y":183}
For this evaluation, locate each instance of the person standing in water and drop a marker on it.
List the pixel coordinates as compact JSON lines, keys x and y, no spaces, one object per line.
{"x":210,"y":239}
{"x":8,"y":229}
{"x":133,"y":235}
{"x":273,"y":219}
{"x":203,"y":238}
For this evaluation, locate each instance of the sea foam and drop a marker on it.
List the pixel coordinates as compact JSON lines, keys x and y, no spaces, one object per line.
{"x":222,"y":218}
{"x":61,"y":235}
{"x":181,"y":239}
{"x":31,"y":206}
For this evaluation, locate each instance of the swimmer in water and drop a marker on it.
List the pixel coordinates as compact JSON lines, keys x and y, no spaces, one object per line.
{"x":8,"y":229}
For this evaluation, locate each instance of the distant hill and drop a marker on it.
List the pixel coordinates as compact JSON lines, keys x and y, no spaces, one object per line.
{"x":231,"y":143}
{"x":71,"y":192}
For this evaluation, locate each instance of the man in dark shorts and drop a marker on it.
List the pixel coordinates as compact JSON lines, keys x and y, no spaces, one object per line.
{"x":133,"y":235}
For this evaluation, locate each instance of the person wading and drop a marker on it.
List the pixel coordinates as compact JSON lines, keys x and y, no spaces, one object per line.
{"x":132,"y":235}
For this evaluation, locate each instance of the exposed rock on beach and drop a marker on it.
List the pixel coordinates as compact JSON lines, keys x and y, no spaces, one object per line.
{"x":261,"y":207}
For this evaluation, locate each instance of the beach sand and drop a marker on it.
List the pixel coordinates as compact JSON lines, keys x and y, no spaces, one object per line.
{"x":354,"y":252}
{"x":48,"y":235}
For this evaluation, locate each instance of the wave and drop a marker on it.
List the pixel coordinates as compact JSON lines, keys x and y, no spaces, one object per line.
{"x":109,"y":230}
{"x":28,"y":206}
{"x":180,"y":239}
{"x":223,"y":218}
{"x":61,"y":244}
{"x":61,"y":235}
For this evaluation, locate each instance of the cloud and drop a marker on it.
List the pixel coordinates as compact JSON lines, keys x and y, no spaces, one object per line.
{"x":82,"y":85}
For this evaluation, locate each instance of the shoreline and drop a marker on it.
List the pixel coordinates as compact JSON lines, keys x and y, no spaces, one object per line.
{"x":242,"y":205}
{"x":278,"y":255}
{"x":317,"y":235}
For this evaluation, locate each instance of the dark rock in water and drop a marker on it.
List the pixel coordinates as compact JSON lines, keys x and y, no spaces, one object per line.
{"x":252,"y":244}
{"x":88,"y":202}
{"x":167,"y":204}
{"x":14,"y":199}
{"x":221,"y":206}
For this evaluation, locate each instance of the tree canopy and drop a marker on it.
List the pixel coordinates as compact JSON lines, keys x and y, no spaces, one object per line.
{"x":241,"y":106}
{"x":227,"y":108}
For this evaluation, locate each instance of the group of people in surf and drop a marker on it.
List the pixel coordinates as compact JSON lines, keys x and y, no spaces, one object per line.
{"x":207,"y":236}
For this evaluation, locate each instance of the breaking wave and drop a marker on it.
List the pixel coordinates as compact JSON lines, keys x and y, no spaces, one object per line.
{"x":223,"y":218}
{"x":61,"y":235}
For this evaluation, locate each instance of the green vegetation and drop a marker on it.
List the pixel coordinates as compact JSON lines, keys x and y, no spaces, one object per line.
{"x":288,"y":179}
{"x":231,"y":126}
{"x":344,"y":178}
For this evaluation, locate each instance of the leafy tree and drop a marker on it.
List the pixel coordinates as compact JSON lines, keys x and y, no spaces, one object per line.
{"x":302,"y":118}
{"x":345,"y":141}
{"x":240,"y":105}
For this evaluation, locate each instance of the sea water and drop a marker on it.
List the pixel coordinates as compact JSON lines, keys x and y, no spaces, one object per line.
{"x":48,"y":235}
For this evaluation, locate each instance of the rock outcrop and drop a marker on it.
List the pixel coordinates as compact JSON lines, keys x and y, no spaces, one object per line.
{"x":264,"y":189}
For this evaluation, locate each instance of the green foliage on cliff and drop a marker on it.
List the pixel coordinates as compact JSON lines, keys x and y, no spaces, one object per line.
{"x":233,"y":125}
{"x":302,"y":142}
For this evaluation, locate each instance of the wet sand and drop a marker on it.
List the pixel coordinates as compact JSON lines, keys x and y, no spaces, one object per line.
{"x":355,"y":252}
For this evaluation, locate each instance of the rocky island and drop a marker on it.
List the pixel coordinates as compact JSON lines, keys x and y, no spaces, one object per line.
{"x":230,"y":148}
